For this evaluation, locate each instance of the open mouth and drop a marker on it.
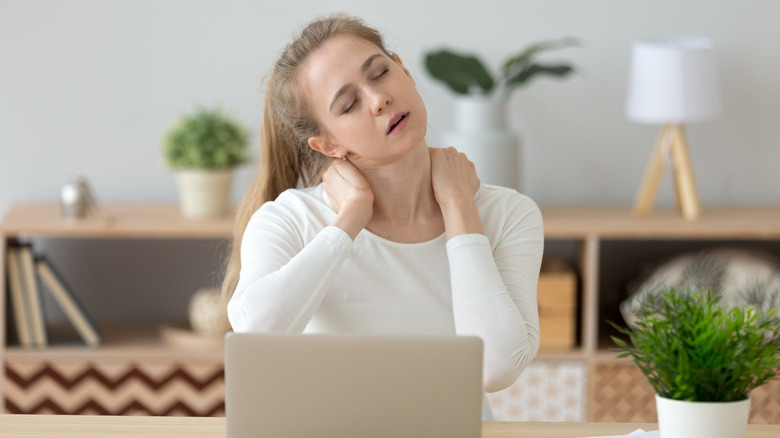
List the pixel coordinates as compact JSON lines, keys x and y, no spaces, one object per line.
{"x":398,"y":122}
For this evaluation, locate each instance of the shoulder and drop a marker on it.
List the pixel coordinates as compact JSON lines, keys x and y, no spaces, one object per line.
{"x":504,"y":210}
{"x":304,"y":208}
{"x":295,"y":200}
{"x":496,"y":200}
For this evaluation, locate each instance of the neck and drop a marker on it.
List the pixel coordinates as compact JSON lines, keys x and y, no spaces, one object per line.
{"x":403,"y":195}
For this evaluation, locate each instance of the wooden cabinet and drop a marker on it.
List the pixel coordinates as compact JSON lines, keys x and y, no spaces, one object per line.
{"x":134,"y":365}
{"x":133,"y":371}
{"x":609,"y":246}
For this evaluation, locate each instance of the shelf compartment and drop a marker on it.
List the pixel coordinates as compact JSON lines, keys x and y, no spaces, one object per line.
{"x":125,"y":342}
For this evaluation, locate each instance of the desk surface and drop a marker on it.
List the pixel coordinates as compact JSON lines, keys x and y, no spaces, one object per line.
{"x":65,"y":426}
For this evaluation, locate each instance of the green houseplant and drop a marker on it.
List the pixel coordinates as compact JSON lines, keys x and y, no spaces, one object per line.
{"x":204,"y":148}
{"x":480,"y":108}
{"x":699,"y":356}
{"x":465,"y":74}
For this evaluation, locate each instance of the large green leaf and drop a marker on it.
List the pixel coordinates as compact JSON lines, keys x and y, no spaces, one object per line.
{"x":462,"y":73}
{"x":523,"y":58}
{"x":526,"y":74}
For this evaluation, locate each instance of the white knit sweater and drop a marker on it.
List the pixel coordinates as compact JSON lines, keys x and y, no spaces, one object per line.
{"x":299,"y":274}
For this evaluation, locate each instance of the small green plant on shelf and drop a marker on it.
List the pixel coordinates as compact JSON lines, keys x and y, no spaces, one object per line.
{"x":206,"y":139}
{"x":690,"y":348}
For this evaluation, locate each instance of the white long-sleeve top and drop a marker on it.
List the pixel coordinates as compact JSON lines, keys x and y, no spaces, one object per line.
{"x":298,"y":274}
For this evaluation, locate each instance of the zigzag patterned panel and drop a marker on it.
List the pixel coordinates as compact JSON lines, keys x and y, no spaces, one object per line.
{"x":115,"y":389}
{"x":621,"y":393}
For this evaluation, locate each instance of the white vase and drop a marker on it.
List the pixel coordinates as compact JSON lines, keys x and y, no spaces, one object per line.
{"x":480,"y":132}
{"x":684,"y":419}
{"x":204,"y":193}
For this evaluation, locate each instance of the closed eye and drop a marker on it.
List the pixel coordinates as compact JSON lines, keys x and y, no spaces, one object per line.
{"x":354,"y":102}
{"x":351,"y":105}
{"x":384,"y":72}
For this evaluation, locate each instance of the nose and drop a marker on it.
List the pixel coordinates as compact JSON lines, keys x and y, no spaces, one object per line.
{"x":381,"y":100}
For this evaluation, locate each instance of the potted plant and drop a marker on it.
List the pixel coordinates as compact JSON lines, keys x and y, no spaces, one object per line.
{"x":204,"y":148}
{"x":702,"y":360}
{"x":480,"y":111}
{"x":467,"y":75}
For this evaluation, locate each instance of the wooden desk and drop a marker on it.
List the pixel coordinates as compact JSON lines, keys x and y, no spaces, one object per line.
{"x":66,"y":426}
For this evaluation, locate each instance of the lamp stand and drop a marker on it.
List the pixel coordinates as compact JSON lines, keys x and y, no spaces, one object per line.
{"x":670,"y":143}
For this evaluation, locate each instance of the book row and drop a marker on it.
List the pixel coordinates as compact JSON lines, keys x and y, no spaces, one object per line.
{"x":28,"y":277}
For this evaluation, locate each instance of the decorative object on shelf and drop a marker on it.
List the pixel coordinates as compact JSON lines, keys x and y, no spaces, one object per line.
{"x":480,"y":110}
{"x":739,"y":276}
{"x":207,"y":313}
{"x":672,"y":82}
{"x":702,"y":360}
{"x":76,"y":199}
{"x":204,"y":148}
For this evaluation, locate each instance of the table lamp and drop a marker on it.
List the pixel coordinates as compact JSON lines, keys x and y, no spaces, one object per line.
{"x":672,"y":82}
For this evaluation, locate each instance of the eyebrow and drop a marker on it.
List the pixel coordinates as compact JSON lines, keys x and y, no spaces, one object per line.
{"x":363,"y":68}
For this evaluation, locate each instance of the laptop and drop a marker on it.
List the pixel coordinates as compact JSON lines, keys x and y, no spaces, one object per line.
{"x":348,"y":386}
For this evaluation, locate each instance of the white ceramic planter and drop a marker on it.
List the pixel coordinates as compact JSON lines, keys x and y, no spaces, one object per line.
{"x":683,"y":419}
{"x":204,"y":193}
{"x":480,"y":132}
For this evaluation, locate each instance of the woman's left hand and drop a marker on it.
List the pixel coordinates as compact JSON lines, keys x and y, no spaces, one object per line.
{"x":455,"y":183}
{"x":453,"y":176}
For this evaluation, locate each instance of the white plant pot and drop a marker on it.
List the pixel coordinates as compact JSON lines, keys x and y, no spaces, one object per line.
{"x":480,"y":132}
{"x":683,"y":419}
{"x":204,"y":193}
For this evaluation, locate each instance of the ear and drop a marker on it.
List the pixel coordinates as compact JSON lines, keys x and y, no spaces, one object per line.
{"x":324,"y":146}
{"x":397,"y":60}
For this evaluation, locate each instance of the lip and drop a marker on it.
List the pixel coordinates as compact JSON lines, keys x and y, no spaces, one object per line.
{"x":393,"y":129}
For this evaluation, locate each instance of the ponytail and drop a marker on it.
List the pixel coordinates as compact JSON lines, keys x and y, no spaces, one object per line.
{"x":287,"y":161}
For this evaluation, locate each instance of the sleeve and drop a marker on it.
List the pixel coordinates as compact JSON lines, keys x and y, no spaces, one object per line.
{"x":494,"y":292}
{"x":282,"y":280}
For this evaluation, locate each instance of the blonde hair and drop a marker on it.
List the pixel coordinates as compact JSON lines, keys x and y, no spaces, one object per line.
{"x":287,"y":160}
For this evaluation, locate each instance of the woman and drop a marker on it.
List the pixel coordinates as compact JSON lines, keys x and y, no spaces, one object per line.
{"x":397,"y":237}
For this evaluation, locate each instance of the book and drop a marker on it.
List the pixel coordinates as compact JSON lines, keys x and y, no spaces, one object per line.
{"x":18,"y":299}
{"x":70,"y":306}
{"x":33,"y":295}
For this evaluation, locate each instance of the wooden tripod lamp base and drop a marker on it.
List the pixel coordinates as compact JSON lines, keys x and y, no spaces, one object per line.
{"x":671,"y":144}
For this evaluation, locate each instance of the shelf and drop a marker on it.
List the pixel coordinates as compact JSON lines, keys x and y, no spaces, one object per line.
{"x":621,"y":223}
{"x":120,"y":343}
{"x":603,"y":245}
{"x":119,"y":221}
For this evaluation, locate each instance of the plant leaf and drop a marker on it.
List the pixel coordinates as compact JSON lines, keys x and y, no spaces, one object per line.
{"x":532,"y":70}
{"x":462,"y":73}
{"x":521,"y":60}
{"x":690,"y":348}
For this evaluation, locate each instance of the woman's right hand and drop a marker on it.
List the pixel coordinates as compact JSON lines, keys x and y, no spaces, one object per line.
{"x":350,"y":196}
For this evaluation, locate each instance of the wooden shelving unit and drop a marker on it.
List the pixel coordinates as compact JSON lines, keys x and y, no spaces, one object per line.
{"x":616,"y":389}
{"x":134,"y":371}
{"x":585,"y":231}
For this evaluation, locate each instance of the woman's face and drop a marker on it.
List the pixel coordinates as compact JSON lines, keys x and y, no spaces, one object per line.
{"x":365,"y":101}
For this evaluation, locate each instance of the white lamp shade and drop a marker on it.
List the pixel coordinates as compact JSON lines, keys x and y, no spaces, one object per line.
{"x":673,"y":81}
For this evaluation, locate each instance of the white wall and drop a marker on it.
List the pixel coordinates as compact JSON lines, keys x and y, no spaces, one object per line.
{"x":91,"y":86}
